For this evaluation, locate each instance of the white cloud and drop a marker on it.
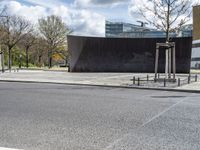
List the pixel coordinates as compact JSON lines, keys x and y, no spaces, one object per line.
{"x":45,"y":3}
{"x":99,"y":3}
{"x":89,"y":23}
{"x":82,"y":21}
{"x":31,"y":13}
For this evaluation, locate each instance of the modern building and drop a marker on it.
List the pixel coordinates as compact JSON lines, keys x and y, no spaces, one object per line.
{"x":196,"y":38}
{"x":127,"y":30}
{"x":103,"y":54}
{"x":127,"y":48}
{"x":186,"y":31}
{"x":121,"y":29}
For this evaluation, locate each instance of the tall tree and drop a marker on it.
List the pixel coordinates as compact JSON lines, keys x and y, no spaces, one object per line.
{"x":39,"y":52}
{"x":54,"y":30}
{"x":166,"y":15}
{"x":27,"y":42}
{"x":14,"y":29}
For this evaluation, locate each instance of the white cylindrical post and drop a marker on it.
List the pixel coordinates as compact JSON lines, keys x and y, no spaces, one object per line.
{"x":156,"y":61}
{"x":166,"y":63}
{"x":174,"y":62}
{"x":170,"y":62}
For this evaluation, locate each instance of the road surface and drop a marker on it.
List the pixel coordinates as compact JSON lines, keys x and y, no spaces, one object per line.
{"x":61,"y":117}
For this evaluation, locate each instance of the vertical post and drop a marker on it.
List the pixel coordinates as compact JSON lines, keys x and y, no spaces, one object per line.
{"x":9,"y":59}
{"x":164,"y":82}
{"x":2,"y":61}
{"x":20,"y":59}
{"x":134,"y":80}
{"x":138,"y":81}
{"x":27,"y":58}
{"x":179,"y":82}
{"x":166,"y":62}
{"x":196,"y":78}
{"x":189,"y":79}
{"x":170,"y":62}
{"x":156,"y":60}
{"x":50,"y":58}
{"x":147,"y":78}
{"x":174,"y":61}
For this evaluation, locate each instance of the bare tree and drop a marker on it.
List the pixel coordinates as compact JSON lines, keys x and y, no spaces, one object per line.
{"x":14,"y":29}
{"x":39,"y":52}
{"x":54,"y":30}
{"x":166,"y":15}
{"x":27,"y":42}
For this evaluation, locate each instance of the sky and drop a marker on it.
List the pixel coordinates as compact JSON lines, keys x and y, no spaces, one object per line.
{"x":85,"y":17}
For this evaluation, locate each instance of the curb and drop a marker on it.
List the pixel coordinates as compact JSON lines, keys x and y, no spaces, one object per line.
{"x":109,"y":86}
{"x":62,"y":70}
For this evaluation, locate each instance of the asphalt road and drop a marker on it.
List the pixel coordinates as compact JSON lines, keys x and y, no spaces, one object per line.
{"x":59,"y":117}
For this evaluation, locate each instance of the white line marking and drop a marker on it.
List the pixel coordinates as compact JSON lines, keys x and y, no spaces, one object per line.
{"x":160,"y":114}
{"x":144,"y":124}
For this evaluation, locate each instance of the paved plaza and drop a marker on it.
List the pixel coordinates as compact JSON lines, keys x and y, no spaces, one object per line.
{"x":62,"y":117}
{"x":102,"y":79}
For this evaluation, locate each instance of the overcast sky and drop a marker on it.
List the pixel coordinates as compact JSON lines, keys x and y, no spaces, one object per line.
{"x":86,"y":17}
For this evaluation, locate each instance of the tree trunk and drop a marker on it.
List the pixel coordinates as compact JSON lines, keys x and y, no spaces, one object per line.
{"x":9,"y":59}
{"x":50,"y":62}
{"x":39,"y":60}
{"x":168,"y":25}
{"x":20,"y":61}
{"x":50,"y":59}
{"x":2,"y":61}
{"x":27,"y":58}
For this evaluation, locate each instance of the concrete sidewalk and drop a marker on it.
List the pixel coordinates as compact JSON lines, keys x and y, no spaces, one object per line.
{"x":99,"y":79}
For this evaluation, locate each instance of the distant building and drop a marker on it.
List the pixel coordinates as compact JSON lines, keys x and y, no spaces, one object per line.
{"x":121,"y":29}
{"x":196,"y":38}
{"x":186,"y":31}
{"x":127,"y":30}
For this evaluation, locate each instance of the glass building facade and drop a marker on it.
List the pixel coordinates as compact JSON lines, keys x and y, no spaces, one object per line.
{"x":121,"y":29}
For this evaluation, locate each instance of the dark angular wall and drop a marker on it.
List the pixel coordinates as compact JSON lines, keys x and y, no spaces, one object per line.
{"x":94,"y":54}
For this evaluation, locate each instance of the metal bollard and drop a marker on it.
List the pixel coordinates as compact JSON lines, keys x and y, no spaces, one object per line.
{"x":179,"y":82}
{"x":196,"y":78}
{"x":138,"y":81}
{"x":164,"y":82}
{"x":134,"y":80}
{"x":189,"y":79}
